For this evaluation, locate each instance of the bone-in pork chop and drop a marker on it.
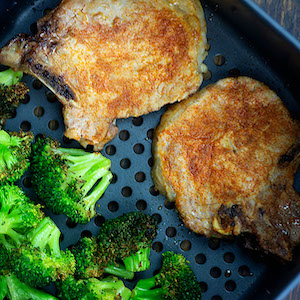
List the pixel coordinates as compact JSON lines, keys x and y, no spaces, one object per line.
{"x":109,"y":59}
{"x":227,"y":156}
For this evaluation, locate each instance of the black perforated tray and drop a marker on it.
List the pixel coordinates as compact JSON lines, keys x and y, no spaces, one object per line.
{"x":249,"y":44}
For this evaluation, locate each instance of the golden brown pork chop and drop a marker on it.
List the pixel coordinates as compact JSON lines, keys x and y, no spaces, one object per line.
{"x":108,"y":59}
{"x":228,"y":156}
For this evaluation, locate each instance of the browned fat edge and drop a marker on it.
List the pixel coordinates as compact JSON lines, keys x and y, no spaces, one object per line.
{"x":56,"y":82}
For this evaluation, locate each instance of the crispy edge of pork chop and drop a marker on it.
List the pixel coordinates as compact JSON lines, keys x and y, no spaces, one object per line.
{"x":253,"y":195}
{"x":83,"y":49}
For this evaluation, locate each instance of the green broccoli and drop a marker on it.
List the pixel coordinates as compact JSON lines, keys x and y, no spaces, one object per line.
{"x":18,"y":215}
{"x":69,"y":181}
{"x":39,"y":261}
{"x":14,"y":289}
{"x":89,"y":261}
{"x":175,"y":281}
{"x":121,"y":248}
{"x":11,"y":92}
{"x":15,"y":150}
{"x":129,"y":238}
{"x":110,"y":288}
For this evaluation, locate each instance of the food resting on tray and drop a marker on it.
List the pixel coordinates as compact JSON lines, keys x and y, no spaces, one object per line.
{"x":227,"y":156}
{"x":69,"y":181}
{"x":11,"y":92}
{"x":113,"y":59}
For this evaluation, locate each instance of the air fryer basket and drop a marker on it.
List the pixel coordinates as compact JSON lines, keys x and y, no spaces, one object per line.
{"x":224,"y":269}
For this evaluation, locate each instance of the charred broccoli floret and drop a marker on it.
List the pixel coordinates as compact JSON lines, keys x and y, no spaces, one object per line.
{"x":90,"y":261}
{"x":14,"y":289}
{"x":11,"y":92}
{"x":121,"y":248}
{"x":110,"y":288}
{"x":15,"y":149}
{"x":18,"y":215}
{"x":69,"y":181}
{"x":39,"y":261}
{"x":175,"y":281}
{"x":128,"y":238}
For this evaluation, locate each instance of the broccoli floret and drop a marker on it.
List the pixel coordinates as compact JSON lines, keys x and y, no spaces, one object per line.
{"x":90,"y":263}
{"x":15,"y":150}
{"x":110,"y":288}
{"x":14,"y":289}
{"x":175,"y":281}
{"x":11,"y":92}
{"x":4,"y":256}
{"x":18,"y":215}
{"x":128,"y":238}
{"x":40,"y":261}
{"x":69,"y":181}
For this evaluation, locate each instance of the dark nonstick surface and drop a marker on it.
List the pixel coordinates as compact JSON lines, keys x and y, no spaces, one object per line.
{"x":224,"y":269}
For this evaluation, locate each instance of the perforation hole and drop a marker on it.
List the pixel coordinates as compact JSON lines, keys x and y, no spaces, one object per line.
{"x":39,"y":111}
{"x":150,"y":162}
{"x":53,"y":125}
{"x":110,"y":150}
{"x":216,"y":297}
{"x":113,"y":206}
{"x":140,"y":176}
{"x":89,"y":148}
{"x":125,"y":163}
{"x":26,"y":99}
{"x":153,"y":191}
{"x":27,"y":182}
{"x":207,"y":75}
{"x":203,"y":286}
{"x":157,"y":218}
{"x":169,"y":204}
{"x":70,"y":223}
{"x":150,"y":133}
{"x":141,"y":205}
{"x":186,"y":245}
{"x":200,"y":259}
{"x":86,"y":233}
{"x":137,"y":121}
{"x":171,"y":231}
{"x":124,"y":135}
{"x":213,"y":243}
{"x":67,"y":140}
{"x":138,"y":148}
{"x":126,"y":191}
{"x":244,"y":271}
{"x":219,"y":60}
{"x":230,"y":285}
{"x":51,"y":97}
{"x":229,"y":257}
{"x":215,"y":272}
{"x":114,"y":178}
{"x":38,"y":136}
{"x":36,"y":84}
{"x":33,"y":28}
{"x":99,"y":220}
{"x":46,"y":11}
{"x":157,"y":247}
{"x":25,"y":126}
{"x":234,"y":72}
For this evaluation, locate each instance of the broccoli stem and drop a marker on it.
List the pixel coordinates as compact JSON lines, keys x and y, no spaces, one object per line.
{"x":119,"y":271}
{"x":145,"y":289}
{"x":3,"y":287}
{"x":46,"y":235}
{"x":139,"y":261}
{"x":21,"y":291}
{"x":10,"y":77}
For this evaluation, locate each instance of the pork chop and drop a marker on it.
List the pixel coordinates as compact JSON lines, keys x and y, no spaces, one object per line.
{"x":227,"y":156}
{"x":109,"y":59}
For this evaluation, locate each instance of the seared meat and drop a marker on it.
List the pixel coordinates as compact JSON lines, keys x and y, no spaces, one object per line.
{"x":108,"y":59}
{"x":228,"y":156}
